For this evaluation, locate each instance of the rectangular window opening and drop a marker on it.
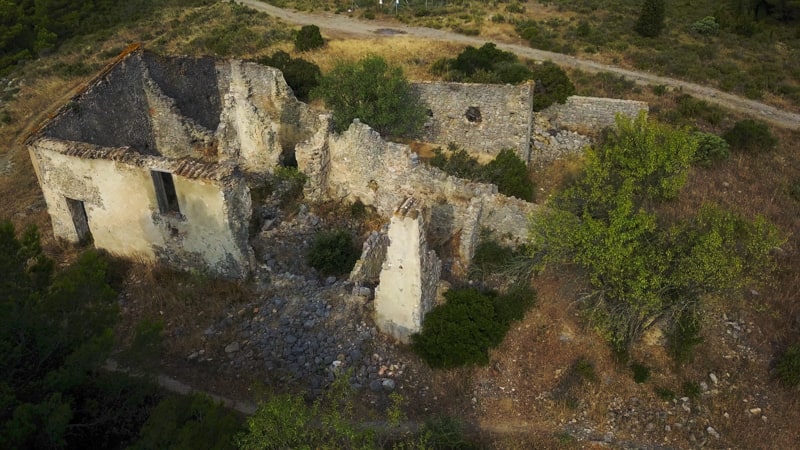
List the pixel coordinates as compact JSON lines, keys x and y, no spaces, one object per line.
{"x":165,"y":192}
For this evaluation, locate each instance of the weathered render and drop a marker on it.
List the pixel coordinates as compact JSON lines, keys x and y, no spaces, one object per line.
{"x":151,"y":158}
{"x":410,"y":273}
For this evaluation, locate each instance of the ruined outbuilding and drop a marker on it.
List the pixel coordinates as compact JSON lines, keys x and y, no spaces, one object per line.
{"x":156,"y":156}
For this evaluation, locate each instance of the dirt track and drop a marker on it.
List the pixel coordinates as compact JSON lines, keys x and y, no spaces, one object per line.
{"x":342,"y":24}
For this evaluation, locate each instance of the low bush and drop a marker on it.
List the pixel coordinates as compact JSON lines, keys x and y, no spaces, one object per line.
{"x":486,"y":64}
{"x":333,"y":252}
{"x":308,"y":38}
{"x":510,"y":174}
{"x":710,"y":149}
{"x":752,"y":136}
{"x":461,"y":332}
{"x":788,"y":367}
{"x":641,"y":373}
{"x":507,"y":171}
{"x":707,"y":25}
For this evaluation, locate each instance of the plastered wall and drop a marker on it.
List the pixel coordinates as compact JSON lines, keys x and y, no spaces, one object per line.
{"x":119,"y":198}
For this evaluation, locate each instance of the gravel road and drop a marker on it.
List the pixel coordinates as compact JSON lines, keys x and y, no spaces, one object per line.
{"x":342,"y":24}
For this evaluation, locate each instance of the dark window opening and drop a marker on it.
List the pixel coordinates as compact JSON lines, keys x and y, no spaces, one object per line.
{"x":473,"y":114}
{"x":165,"y":192}
{"x":430,"y":112}
{"x":80,"y":220}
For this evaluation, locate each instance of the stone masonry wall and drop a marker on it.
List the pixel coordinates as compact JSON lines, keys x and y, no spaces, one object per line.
{"x":409,"y":276}
{"x":359,"y":165}
{"x":481,"y":118}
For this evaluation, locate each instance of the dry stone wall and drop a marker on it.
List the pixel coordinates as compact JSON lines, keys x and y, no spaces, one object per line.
{"x":482,"y":118}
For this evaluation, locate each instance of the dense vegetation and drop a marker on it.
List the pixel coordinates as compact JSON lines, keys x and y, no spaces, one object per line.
{"x":301,"y":75}
{"x":646,"y":270}
{"x":507,"y":171}
{"x":488,"y":64}
{"x":461,"y":332}
{"x":28,"y":27}
{"x":375,"y":93}
{"x":749,"y":47}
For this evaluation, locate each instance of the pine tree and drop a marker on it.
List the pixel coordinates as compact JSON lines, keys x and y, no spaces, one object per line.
{"x":651,"y":18}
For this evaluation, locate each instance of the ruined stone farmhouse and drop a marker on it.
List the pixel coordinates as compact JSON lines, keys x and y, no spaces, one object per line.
{"x":154,"y":157}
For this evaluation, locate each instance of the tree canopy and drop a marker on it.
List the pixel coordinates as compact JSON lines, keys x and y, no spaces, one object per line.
{"x":375,"y":93}
{"x":644,"y":268}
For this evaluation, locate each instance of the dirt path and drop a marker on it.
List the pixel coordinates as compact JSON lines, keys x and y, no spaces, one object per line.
{"x":342,"y":24}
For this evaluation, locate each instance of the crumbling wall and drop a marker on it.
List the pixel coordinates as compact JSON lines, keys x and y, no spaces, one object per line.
{"x":568,"y":128}
{"x":359,"y":165}
{"x":410,"y":273}
{"x":261,"y":121}
{"x":115,"y":189}
{"x":481,"y":118}
{"x":588,"y":115}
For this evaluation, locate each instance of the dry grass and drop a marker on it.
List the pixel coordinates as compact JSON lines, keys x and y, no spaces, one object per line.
{"x":414,"y":55}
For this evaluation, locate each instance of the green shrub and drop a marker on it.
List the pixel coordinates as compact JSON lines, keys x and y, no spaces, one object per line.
{"x":287,"y":183}
{"x":486,"y":64}
{"x":584,"y":370}
{"x":691,"y":389}
{"x":659,"y":90}
{"x":460,"y":332}
{"x":751,"y":136}
{"x":507,"y":171}
{"x":552,"y":85}
{"x":445,"y":433}
{"x":374,"y":92}
{"x":794,"y":190}
{"x":333,"y":252}
{"x":308,"y":38}
{"x":510,"y":174}
{"x":641,"y":373}
{"x":490,"y":256}
{"x":788,"y":367}
{"x":710,"y":149}
{"x":707,"y":25}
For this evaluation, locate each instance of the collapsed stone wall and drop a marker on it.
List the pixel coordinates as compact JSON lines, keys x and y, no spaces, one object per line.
{"x":359,"y":165}
{"x":482,"y":118}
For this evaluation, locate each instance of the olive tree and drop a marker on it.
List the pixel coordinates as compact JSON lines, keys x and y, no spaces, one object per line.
{"x":374,"y":92}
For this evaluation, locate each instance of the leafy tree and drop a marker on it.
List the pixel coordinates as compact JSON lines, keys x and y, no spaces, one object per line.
{"x":308,"y":38}
{"x":651,"y":18}
{"x":552,"y":85}
{"x":643,"y":271}
{"x":55,"y":333}
{"x":375,"y":93}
